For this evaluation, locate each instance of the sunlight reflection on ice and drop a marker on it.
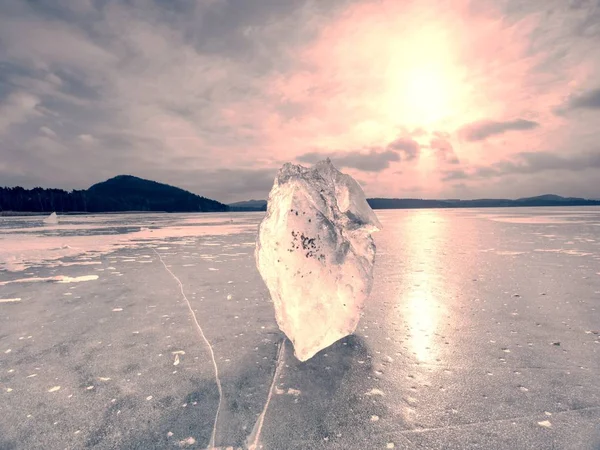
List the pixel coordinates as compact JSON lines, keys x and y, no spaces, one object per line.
{"x":423,"y":228}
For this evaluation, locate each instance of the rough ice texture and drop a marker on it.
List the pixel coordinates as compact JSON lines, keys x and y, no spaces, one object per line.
{"x":316,"y":254}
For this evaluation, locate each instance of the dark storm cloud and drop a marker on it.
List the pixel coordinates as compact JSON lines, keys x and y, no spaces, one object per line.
{"x":587,"y":100}
{"x":94,"y":88}
{"x":236,"y":29}
{"x":444,"y":150}
{"x":478,"y":131}
{"x":187,"y":91}
{"x":371,"y":161}
{"x":484,"y":172}
{"x":452,"y":175}
{"x":529,"y":163}
{"x":408,"y":147}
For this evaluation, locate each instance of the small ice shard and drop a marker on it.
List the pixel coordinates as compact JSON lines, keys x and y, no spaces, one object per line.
{"x":52,"y":219}
{"x":315,"y":253}
{"x":187,"y":442}
{"x":374,"y":392}
{"x":65,"y":279}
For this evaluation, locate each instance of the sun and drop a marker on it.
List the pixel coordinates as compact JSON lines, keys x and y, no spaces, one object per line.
{"x":385,"y":68}
{"x":426,"y":93}
{"x":423,"y":84}
{"x":421,"y":95}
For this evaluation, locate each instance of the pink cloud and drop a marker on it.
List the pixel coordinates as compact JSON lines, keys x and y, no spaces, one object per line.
{"x":380,"y":67}
{"x":456,"y":79}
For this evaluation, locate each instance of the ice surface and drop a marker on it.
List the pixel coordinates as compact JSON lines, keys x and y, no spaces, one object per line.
{"x":52,"y":219}
{"x":452,"y":291}
{"x":315,"y":253}
{"x":24,"y":243}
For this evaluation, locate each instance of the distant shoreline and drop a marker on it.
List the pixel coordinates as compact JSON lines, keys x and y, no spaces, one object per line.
{"x":82,"y":213}
{"x":127,"y":194}
{"x":88,"y":213}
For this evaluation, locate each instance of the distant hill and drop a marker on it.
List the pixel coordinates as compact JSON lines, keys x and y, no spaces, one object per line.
{"x":415,"y":203}
{"x":541,"y":200}
{"x":249,"y":205}
{"x":119,"y":194}
{"x":129,"y":193}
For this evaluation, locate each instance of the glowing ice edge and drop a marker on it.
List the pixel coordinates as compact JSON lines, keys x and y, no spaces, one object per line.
{"x":316,"y":254}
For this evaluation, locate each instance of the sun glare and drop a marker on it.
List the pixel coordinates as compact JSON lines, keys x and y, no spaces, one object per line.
{"x":423,"y":95}
{"x":426,"y":94}
{"x":389,"y":67}
{"x":423,"y":82}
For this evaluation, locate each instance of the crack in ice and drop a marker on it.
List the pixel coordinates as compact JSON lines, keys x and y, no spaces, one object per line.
{"x":261,"y":419}
{"x":212,"y":354}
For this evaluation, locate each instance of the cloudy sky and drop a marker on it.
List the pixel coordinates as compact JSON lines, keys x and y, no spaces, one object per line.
{"x":424,"y":98}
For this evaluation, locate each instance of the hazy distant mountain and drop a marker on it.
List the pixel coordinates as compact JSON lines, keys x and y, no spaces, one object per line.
{"x":541,"y":200}
{"x":413,"y":203}
{"x":545,"y":197}
{"x":249,"y":205}
{"x":128,"y":193}
{"x":121,"y":193}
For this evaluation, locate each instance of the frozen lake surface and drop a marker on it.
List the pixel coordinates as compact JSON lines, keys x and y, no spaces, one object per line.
{"x":482,"y":331}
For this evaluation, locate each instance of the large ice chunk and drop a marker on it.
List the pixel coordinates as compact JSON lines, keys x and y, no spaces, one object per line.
{"x":316,"y":254}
